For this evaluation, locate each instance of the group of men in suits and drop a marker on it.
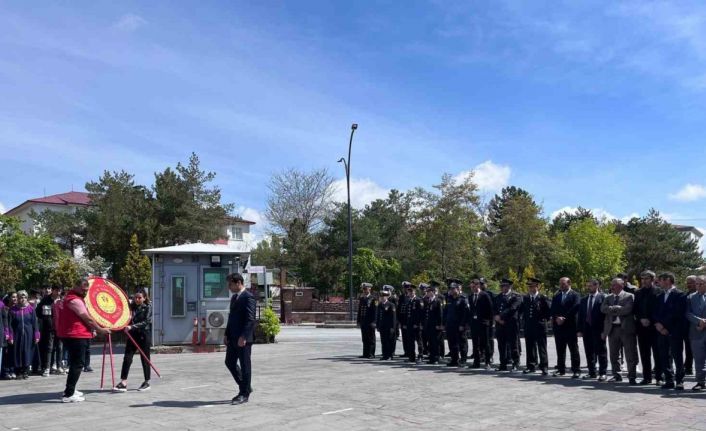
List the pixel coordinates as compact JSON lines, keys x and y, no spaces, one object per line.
{"x":650,"y":324}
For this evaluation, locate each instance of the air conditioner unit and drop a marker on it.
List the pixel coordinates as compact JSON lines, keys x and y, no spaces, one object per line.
{"x":217,"y":319}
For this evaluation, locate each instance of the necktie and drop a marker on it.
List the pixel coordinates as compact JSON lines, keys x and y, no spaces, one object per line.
{"x":475,"y":298}
{"x":590,"y":309}
{"x":563,"y":297}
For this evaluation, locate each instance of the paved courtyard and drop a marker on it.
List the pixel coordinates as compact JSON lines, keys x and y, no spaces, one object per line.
{"x":312,"y":380}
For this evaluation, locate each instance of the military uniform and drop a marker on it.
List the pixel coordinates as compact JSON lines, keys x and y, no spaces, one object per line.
{"x":433,"y":327}
{"x":402,"y":306}
{"x":395,"y":300}
{"x":508,"y":332}
{"x":535,"y":314}
{"x":366,"y":320}
{"x":387,"y":326}
{"x":456,"y":311}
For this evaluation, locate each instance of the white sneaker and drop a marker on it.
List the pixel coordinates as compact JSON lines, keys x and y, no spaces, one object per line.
{"x":75,"y":398}
{"x":77,"y":392}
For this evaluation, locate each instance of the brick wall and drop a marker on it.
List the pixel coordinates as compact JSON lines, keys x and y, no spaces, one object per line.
{"x":330,"y":307}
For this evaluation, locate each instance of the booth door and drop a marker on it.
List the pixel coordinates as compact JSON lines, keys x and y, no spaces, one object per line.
{"x":181,"y":300}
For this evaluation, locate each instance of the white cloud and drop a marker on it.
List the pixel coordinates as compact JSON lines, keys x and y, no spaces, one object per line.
{"x":689,"y":193}
{"x":363,"y":191}
{"x":489,"y":177}
{"x":257,"y":231}
{"x":129,"y":22}
{"x":2,"y":208}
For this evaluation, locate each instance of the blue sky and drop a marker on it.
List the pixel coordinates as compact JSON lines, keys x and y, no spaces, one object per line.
{"x":599,"y":104}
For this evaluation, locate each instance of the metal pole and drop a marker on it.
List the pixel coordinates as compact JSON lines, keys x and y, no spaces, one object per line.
{"x":350,"y":226}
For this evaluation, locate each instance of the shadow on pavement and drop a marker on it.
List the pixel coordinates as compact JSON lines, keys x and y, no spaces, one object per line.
{"x":400,"y":363}
{"x":37,"y":398}
{"x":181,"y":404}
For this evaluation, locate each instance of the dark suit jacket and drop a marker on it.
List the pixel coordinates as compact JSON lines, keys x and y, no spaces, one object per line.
{"x":672,"y":314}
{"x":482,"y":309}
{"x":241,"y":320}
{"x":597,"y":316}
{"x":645,"y":303}
{"x":567,"y":310}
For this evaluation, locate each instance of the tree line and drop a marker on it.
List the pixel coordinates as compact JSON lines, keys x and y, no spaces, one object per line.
{"x":181,"y":206}
{"x":447,"y":231}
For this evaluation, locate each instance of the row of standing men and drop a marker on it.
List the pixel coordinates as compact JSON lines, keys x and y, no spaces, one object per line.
{"x":656,"y":319}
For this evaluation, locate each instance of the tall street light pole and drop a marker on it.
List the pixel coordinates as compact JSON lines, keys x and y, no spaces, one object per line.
{"x":347,"y":166}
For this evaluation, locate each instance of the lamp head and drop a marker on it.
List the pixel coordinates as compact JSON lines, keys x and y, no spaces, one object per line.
{"x":354,"y":126}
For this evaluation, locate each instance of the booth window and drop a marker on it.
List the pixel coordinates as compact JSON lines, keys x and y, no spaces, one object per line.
{"x":214,"y":283}
{"x":178,"y":296}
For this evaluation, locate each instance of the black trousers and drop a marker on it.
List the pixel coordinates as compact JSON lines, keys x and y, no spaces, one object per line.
{"x":46,"y":347}
{"x":688,"y":355}
{"x":406,"y":334}
{"x":453,"y":336}
{"x":463,"y":344}
{"x":596,"y":350}
{"x":238,"y":363}
{"x":57,"y":353}
{"x":411,"y":340}
{"x":647,"y":344}
{"x":434,"y":336}
{"x":76,"y":348}
{"x":442,"y":346}
{"x":144,"y":340}
{"x":565,"y":336}
{"x":508,"y":344}
{"x":480,"y":341}
{"x":536,"y":345}
{"x":671,"y":357}
{"x":388,"y":338}
{"x":367,"y":333}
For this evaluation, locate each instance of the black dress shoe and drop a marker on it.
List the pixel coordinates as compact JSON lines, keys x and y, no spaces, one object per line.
{"x":240,"y":399}
{"x":501,"y":368}
{"x":474,"y":365}
{"x":698,"y":387}
{"x":545,"y":372}
{"x":632,"y":382}
{"x":645,"y":382}
{"x":588,"y":376}
{"x":668,"y":385}
{"x":615,"y":379}
{"x":575,"y":376}
{"x":528,"y":371}
{"x":558,"y":373}
{"x":679,"y":386}
{"x":452,"y":364}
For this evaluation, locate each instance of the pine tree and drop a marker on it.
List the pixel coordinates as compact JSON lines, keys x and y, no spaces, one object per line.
{"x":137,"y":271}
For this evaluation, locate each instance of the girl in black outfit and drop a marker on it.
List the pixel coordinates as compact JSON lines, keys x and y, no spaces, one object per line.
{"x":141,"y":331}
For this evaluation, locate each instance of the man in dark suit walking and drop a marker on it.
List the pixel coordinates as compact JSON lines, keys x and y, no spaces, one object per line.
{"x":565,"y":304}
{"x":645,"y":303}
{"x":480,"y":318}
{"x":590,"y":326}
{"x":239,"y":336}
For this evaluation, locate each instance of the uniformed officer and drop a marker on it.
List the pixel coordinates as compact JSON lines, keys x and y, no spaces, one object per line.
{"x":366,"y":320}
{"x":456,"y":317}
{"x":442,"y":300}
{"x":387,"y":325}
{"x":536,"y":313}
{"x":507,"y":328}
{"x":404,"y":320}
{"x":480,"y":318}
{"x":394,"y":300}
{"x":491,"y":340}
{"x":433,"y":323}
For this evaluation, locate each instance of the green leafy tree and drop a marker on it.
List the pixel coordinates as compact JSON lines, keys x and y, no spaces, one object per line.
{"x":517,"y":235}
{"x":186,"y":207}
{"x":652,"y":243}
{"x":369,"y":268}
{"x":10,"y":275}
{"x":597,"y":249}
{"x":447,"y":228}
{"x":564,"y":220}
{"x":67,"y":228}
{"x":65,"y":274}
{"x":137,"y":271}
{"x":34,"y":256}
{"x":120,"y":209}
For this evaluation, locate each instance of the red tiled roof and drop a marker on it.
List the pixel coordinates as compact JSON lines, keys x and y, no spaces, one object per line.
{"x":70,"y":198}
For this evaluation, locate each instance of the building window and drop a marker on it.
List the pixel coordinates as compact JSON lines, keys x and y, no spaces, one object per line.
{"x":214,"y":283}
{"x":238,"y":233}
{"x":178,"y":296}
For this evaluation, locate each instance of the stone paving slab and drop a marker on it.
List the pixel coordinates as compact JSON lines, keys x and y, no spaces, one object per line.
{"x":313,"y":380}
